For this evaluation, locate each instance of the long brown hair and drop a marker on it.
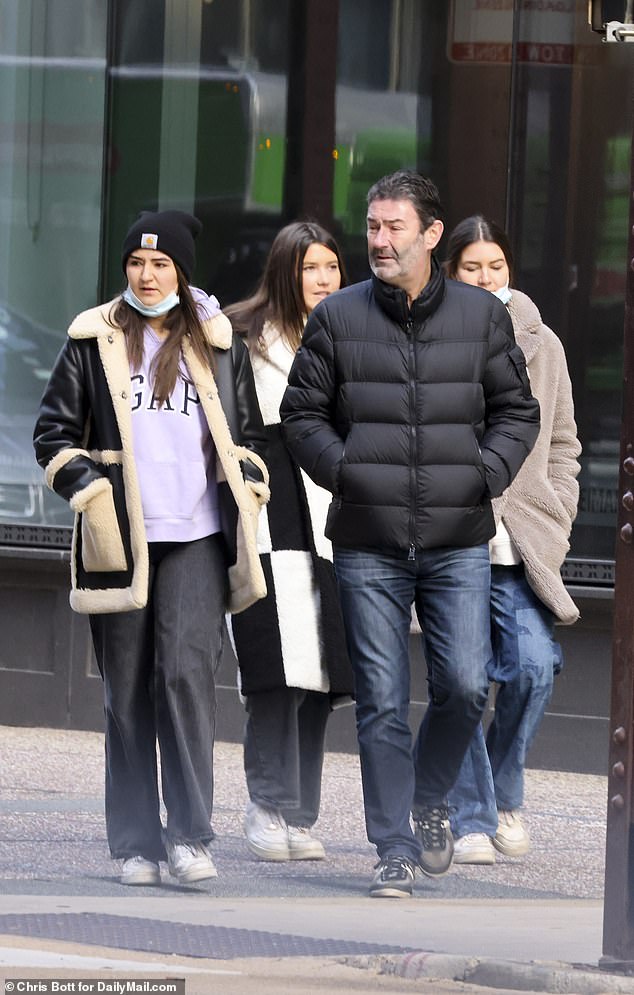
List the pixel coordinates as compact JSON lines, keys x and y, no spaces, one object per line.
{"x":278,"y":296}
{"x":182,"y":320}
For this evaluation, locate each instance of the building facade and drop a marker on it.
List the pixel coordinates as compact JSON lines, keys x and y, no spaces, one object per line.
{"x":250,"y":113}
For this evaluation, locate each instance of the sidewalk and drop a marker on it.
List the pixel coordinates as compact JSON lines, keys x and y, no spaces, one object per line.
{"x":494,"y":926}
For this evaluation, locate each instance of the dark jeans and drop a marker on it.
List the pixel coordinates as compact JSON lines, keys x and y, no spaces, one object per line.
{"x":284,"y":751}
{"x":450,"y":588}
{"x":158,"y":667}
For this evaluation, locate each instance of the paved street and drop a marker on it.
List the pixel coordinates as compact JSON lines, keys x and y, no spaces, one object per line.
{"x":275,"y":923}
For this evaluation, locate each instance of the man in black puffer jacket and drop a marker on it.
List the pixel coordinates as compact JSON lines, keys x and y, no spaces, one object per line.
{"x":409,"y":401}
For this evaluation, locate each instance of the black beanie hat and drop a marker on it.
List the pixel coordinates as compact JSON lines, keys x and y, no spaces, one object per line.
{"x":171,"y":232}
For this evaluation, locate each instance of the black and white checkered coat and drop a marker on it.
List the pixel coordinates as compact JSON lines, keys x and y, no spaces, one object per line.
{"x":294,"y":637}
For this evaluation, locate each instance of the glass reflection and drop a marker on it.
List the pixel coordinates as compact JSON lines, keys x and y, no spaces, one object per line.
{"x":52,"y":65}
{"x":569,"y":217}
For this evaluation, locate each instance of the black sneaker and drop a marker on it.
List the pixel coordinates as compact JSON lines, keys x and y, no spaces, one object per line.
{"x":394,"y":878}
{"x":431,"y":829}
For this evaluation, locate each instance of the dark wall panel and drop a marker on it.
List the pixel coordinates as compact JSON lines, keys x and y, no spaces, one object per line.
{"x":47,"y":677}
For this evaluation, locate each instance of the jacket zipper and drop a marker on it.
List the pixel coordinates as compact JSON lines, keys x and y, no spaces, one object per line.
{"x":409,"y":328}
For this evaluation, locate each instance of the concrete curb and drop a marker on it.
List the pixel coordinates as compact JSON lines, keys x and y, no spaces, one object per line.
{"x":536,"y":976}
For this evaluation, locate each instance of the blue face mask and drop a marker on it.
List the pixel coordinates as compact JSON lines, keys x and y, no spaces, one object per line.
{"x":156,"y":310}
{"x":504,"y":294}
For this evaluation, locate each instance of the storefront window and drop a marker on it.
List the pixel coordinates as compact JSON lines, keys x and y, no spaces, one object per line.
{"x":211,"y":80}
{"x":517,"y":111}
{"x":430,"y":103}
{"x":569,"y":219}
{"x":52,"y":68}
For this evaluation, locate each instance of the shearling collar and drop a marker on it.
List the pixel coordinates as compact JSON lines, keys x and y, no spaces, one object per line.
{"x":527,"y":323}
{"x":95,"y":324}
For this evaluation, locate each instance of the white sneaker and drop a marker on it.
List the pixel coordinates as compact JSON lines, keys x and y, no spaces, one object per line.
{"x":138,"y":870}
{"x":512,"y":837}
{"x":190,"y":862}
{"x":473,"y":848}
{"x":303,"y":846}
{"x":266,"y":833}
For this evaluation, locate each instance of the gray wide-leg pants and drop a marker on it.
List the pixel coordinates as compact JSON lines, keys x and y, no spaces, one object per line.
{"x":158,"y":666}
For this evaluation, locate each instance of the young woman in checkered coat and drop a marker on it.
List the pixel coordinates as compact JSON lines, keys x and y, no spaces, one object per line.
{"x":290,"y":646}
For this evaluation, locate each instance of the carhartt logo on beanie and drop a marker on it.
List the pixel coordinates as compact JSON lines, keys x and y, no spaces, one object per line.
{"x":171,"y":232}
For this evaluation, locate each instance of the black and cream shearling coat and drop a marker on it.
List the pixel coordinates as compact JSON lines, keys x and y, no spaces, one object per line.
{"x":83,"y":440}
{"x":293,"y":637}
{"x":539,"y":507}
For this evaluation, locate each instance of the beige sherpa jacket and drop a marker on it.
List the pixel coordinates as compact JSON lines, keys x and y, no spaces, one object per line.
{"x":539,"y":507}
{"x":83,"y":440}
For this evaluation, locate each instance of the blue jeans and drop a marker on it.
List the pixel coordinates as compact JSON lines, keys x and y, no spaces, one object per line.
{"x":450,"y":588}
{"x":525,"y":659}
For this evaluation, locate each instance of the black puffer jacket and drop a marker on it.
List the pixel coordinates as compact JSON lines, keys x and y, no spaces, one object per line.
{"x":412,"y":419}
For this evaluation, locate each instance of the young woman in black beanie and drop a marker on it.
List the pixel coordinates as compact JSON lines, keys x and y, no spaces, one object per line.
{"x":150,"y":428}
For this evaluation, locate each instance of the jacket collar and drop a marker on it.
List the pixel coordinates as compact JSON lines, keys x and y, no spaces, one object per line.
{"x":393,"y":300}
{"x":527,"y":323}
{"x":95,"y":324}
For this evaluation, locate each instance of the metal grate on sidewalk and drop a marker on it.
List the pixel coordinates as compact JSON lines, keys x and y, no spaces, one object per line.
{"x":183,"y":939}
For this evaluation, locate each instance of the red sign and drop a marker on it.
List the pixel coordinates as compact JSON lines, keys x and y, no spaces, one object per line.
{"x":481,"y":31}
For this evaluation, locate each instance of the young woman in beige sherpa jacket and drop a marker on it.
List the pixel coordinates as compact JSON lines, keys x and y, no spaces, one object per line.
{"x":534,"y":517}
{"x":150,"y":428}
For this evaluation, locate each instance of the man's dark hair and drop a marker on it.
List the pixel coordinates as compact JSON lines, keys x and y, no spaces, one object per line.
{"x":407,"y":184}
